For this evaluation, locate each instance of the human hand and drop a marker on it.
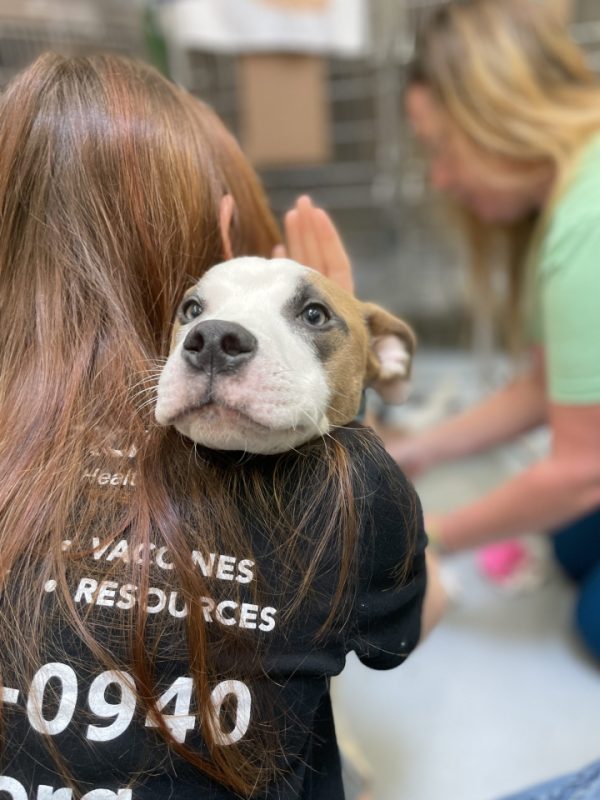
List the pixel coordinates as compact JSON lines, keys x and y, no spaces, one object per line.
{"x":312,"y":239}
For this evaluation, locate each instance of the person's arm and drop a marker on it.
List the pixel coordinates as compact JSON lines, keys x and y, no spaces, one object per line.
{"x":557,"y":489}
{"x":505,"y":414}
{"x":566,"y":484}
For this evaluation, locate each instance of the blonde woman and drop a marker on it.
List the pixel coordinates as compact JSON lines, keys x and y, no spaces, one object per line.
{"x":509,"y":115}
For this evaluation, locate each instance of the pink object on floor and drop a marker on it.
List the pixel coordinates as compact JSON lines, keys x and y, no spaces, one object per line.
{"x":500,"y":561}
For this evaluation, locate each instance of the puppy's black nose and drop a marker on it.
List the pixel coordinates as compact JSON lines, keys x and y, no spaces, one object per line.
{"x":218,"y":346}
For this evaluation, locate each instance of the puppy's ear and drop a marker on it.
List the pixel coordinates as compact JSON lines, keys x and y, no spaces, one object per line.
{"x":389,"y":360}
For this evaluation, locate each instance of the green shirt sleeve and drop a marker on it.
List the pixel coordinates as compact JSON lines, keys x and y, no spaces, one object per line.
{"x":569,"y":302}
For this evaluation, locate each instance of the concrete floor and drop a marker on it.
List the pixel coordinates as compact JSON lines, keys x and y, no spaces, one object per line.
{"x":501,"y":695}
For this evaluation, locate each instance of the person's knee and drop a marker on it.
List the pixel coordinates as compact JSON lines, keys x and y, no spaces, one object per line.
{"x":587,"y":613}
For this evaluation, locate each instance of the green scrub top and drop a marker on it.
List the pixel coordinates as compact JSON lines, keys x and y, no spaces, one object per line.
{"x":566,"y":287}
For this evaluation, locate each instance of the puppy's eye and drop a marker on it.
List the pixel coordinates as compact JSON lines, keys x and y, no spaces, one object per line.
{"x":189,"y":310}
{"x":315,"y":315}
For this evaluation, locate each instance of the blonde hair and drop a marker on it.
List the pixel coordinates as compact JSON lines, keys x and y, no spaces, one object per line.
{"x":518,"y":87}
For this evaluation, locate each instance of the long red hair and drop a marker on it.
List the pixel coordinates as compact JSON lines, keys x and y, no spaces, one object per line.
{"x":110,"y":183}
{"x":111,"y":179}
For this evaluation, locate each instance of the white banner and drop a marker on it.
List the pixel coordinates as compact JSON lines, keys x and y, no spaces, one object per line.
{"x":340,"y":27}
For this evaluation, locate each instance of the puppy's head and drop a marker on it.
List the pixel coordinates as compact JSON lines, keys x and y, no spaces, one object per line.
{"x":266,"y":355}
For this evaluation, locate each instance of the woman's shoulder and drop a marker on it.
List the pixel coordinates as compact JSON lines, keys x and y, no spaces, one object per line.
{"x":574,"y":223}
{"x":391,"y":570}
{"x":370,"y":458}
{"x":390,"y":508}
{"x":579,"y":203}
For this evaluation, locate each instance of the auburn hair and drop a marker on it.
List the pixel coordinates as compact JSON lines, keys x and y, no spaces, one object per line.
{"x":111,"y":179}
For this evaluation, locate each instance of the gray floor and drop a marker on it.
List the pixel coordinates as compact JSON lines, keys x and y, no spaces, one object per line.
{"x":501,"y":695}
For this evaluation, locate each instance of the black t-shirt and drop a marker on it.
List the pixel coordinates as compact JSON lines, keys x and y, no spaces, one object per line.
{"x":89,"y":715}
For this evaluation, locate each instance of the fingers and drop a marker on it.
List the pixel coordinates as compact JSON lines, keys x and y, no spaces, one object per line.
{"x":295,"y":248}
{"x":336,"y":261}
{"x":312,"y":239}
{"x":310,"y":234}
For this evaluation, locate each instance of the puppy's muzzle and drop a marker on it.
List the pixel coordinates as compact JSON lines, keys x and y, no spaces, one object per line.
{"x":217,"y":346}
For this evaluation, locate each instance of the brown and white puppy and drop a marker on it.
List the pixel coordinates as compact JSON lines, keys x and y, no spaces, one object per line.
{"x":268,"y":354}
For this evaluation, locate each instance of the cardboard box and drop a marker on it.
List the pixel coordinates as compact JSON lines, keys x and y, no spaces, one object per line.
{"x":284,"y":109}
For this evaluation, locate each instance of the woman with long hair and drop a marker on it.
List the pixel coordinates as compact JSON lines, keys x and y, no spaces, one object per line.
{"x":509,"y":114}
{"x":158,"y":640}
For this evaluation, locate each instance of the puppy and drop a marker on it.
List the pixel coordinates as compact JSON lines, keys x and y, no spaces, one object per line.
{"x":268,"y":354}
